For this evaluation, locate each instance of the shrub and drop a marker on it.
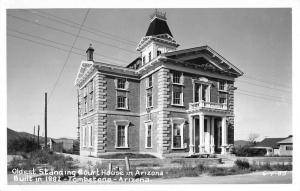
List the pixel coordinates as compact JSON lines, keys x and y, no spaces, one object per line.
{"x":22,"y":145}
{"x":242,"y":164}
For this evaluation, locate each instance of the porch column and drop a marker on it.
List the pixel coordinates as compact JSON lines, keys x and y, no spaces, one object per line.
{"x":212,"y":135}
{"x":201,"y":133}
{"x":224,"y":135}
{"x":208,"y":131}
{"x":191,"y":137}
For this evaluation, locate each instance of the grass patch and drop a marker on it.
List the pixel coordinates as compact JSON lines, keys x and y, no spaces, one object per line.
{"x":129,"y":155}
{"x":43,"y":157}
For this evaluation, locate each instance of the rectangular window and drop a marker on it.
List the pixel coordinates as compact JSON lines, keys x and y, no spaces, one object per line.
{"x":177,"y":77}
{"x":91,"y":95}
{"x":121,"y":101}
{"x":91,"y":136}
{"x":158,"y":53}
{"x":144,"y":60}
{"x":222,"y":100}
{"x":150,"y":81}
{"x":121,"y":136}
{"x":86,"y":140}
{"x":289,"y":148}
{"x":149,"y":56}
{"x":177,"y":95}
{"x":148,"y":135}
{"x":121,"y":83}
{"x":149,"y":98}
{"x":222,"y":85}
{"x":177,"y":136}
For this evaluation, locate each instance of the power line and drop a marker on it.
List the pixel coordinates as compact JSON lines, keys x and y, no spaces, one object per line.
{"x":251,"y":83}
{"x":266,"y":82}
{"x":269,"y":99}
{"x":92,"y":31}
{"x":256,"y":93}
{"x":63,"y":31}
{"x":63,"y":44}
{"x":48,"y":45}
{"x":68,"y":56}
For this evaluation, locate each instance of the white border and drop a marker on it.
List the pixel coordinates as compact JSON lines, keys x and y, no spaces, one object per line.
{"x":5,"y":4}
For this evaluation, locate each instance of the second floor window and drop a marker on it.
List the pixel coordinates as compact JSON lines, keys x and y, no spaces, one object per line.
{"x":149,"y":98}
{"x":121,"y":83}
{"x":121,"y":102}
{"x":91,"y":95}
{"x":177,"y":77}
{"x":222,"y":86}
{"x":222,"y":100}
{"x":150,"y":81}
{"x":177,"y":95}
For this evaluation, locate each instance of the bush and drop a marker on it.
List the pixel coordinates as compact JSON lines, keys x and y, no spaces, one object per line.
{"x":22,"y":145}
{"x":247,"y":151}
{"x":242,"y":164}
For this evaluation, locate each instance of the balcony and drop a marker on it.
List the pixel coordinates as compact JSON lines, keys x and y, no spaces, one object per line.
{"x":207,"y":105}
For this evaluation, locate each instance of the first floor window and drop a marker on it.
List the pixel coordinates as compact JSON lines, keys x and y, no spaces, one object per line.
{"x":91,"y":136}
{"x":177,"y":135}
{"x":148,"y":135}
{"x":177,"y":95}
{"x":85,"y":136}
{"x":121,"y":136}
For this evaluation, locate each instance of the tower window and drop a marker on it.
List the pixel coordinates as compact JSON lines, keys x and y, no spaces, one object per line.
{"x":158,"y":52}
{"x":149,"y":56}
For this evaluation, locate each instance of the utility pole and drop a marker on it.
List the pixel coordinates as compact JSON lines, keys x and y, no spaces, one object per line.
{"x":38,"y":136}
{"x":34,"y":133}
{"x":45,"y":120}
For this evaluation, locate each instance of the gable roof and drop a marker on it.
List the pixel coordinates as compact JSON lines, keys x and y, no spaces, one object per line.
{"x":270,"y":142}
{"x":158,"y":26}
{"x":288,"y":140}
{"x":209,"y":54}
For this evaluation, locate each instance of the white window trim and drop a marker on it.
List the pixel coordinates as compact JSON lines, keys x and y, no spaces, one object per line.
{"x":208,"y":90}
{"x":180,"y":121}
{"x":181,"y":78}
{"x":149,"y":106}
{"x":225,"y":87}
{"x":126,"y":102}
{"x":181,"y":97}
{"x":146,"y":133}
{"x":126,"y":124}
{"x":90,"y":135}
{"x":83,"y":136}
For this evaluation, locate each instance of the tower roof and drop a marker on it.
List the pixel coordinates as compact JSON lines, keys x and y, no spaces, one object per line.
{"x":158,"y":24}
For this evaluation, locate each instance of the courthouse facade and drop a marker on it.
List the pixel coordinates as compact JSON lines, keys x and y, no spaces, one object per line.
{"x":166,"y":102}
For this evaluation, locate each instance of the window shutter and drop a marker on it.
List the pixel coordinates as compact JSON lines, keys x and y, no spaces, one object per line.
{"x":126,"y":85}
{"x":116,"y":83}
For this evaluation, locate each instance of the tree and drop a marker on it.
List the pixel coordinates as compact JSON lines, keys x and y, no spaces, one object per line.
{"x":252,"y":138}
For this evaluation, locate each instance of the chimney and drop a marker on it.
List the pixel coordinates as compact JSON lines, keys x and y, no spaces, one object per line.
{"x":89,"y":53}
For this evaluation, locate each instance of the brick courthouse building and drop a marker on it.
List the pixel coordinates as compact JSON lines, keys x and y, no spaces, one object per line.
{"x":166,"y":102}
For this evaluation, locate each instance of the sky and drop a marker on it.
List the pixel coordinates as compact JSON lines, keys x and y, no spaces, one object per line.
{"x":257,"y":41}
